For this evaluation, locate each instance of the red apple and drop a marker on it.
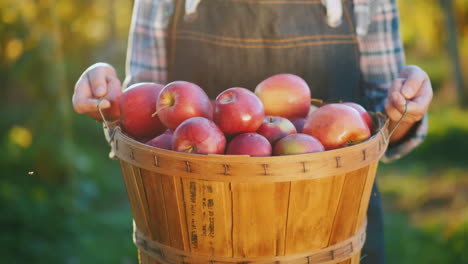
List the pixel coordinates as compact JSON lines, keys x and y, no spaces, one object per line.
{"x":336,"y":126}
{"x":137,"y":104}
{"x":274,"y":128}
{"x":297,"y":144}
{"x":298,"y":123}
{"x":252,"y":144}
{"x":238,"y":110}
{"x":179,"y":101}
{"x":163,"y":141}
{"x":285,"y":95}
{"x":362,"y":111}
{"x":198,"y":135}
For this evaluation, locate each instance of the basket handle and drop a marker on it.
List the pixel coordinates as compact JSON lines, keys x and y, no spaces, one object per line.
{"x":387,"y":139}
{"x":109,"y":129}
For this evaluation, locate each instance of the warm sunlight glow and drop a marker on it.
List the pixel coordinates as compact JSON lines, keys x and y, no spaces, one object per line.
{"x":20,"y":136}
{"x":13,"y":49}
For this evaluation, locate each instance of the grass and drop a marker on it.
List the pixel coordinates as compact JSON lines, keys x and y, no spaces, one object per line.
{"x":426,"y":195}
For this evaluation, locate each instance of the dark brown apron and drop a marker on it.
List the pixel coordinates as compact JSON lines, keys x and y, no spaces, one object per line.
{"x":238,"y":43}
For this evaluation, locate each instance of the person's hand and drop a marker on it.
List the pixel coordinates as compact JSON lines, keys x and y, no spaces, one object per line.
{"x":98,"y":82}
{"x":414,"y":88}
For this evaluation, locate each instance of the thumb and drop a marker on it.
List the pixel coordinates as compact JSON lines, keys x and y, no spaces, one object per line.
{"x":103,"y":104}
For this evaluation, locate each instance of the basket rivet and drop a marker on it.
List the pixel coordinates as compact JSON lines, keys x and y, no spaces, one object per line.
{"x":304,"y":167}
{"x":187,"y":166}
{"x":338,"y":165}
{"x":226,"y":168}
{"x":156,"y":161}
{"x":132,"y":155}
{"x":363,"y":154}
{"x":265,"y":168}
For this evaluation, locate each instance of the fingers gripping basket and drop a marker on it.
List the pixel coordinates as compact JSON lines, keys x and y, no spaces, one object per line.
{"x":308,"y":208}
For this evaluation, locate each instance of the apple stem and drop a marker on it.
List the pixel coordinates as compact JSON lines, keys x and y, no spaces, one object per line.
{"x":353,"y":142}
{"x":157,"y":111}
{"x":315,"y":100}
{"x":190,"y":149}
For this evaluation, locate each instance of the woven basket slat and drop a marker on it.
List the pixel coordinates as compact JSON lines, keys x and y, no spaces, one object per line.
{"x":260,"y":210}
{"x":156,"y":205}
{"x":134,"y":195}
{"x":313,"y":206}
{"x":350,"y":198}
{"x":350,"y":201}
{"x":175,"y":212}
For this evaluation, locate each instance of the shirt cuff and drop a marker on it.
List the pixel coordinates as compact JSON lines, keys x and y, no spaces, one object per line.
{"x":404,"y":147}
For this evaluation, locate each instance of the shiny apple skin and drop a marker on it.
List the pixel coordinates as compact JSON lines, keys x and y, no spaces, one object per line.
{"x":297,"y":144}
{"x":180,"y":100}
{"x":199,"y":135}
{"x":163,"y":141}
{"x":336,"y":126}
{"x":252,"y":144}
{"x":137,"y":105}
{"x":238,"y":110}
{"x":362,"y":111}
{"x":286,"y":95}
{"x":275,"y":128}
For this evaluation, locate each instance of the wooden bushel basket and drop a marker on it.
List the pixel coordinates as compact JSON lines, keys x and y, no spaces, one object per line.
{"x":221,"y":209}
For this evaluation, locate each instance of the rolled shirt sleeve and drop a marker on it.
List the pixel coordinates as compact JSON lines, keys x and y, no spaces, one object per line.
{"x":382,"y":58}
{"x":146,"y":52}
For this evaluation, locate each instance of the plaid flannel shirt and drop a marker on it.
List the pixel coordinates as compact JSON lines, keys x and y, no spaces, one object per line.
{"x":377,"y":28}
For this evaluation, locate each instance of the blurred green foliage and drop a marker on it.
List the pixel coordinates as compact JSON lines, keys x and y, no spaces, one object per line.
{"x":63,"y":201}
{"x":425,"y":195}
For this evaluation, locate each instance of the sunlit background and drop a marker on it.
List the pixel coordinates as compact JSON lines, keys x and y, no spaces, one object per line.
{"x":63,"y":201}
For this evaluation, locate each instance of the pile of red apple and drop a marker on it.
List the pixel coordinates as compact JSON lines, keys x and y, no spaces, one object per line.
{"x":277,"y":119}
